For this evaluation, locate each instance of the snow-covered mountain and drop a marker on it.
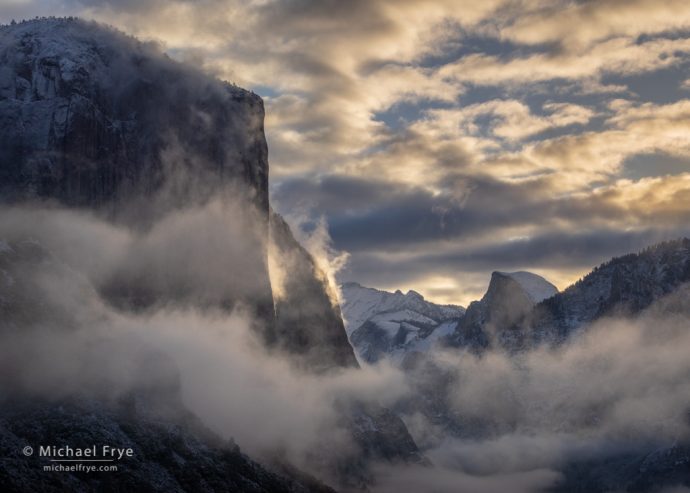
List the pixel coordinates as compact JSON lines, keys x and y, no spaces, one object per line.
{"x":521,"y":310}
{"x":360,"y":303}
{"x":396,"y":325}
{"x":381,"y":323}
{"x":509,"y":297}
{"x":623,"y":286}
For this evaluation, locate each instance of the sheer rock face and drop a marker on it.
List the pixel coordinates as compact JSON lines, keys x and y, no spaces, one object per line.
{"x":308,"y":321}
{"x":511,"y":316}
{"x":172,"y":450}
{"x":509,"y":298}
{"x":91,"y":117}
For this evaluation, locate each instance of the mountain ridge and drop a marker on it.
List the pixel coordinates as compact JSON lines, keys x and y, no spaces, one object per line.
{"x":623,"y":285}
{"x":521,"y":309}
{"x":382,"y":324}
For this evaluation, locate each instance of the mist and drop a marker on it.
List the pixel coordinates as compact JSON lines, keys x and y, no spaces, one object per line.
{"x":622,"y":385}
{"x":192,"y":345}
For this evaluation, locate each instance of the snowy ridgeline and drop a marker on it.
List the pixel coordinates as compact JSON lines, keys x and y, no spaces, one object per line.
{"x":381,"y":324}
{"x":518,"y":311}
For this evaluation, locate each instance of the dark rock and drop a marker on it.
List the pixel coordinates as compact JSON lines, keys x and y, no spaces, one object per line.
{"x":95,"y":119}
{"x":92,"y":117}
{"x":308,"y":321}
{"x":168,"y":456}
{"x":509,"y":298}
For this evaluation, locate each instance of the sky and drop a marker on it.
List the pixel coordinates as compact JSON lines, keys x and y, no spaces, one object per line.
{"x":440,"y":140}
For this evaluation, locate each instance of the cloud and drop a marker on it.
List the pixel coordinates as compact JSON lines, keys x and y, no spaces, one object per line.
{"x":445,"y":245}
{"x":633,"y":129}
{"x":620,"y":386}
{"x":620,"y":379}
{"x":443,"y":480}
{"x":508,"y":127}
{"x":615,"y":390}
{"x":511,"y":120}
{"x":459,"y":273}
{"x":582,"y":24}
{"x":313,"y":236}
{"x":191,"y":255}
{"x":58,"y":314}
{"x":622,"y":56}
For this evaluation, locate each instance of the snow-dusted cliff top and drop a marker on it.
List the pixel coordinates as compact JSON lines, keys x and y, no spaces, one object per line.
{"x":536,"y":287}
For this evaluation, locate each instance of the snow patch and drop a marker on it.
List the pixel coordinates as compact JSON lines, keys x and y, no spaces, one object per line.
{"x":409,"y":321}
{"x":403,"y":316}
{"x":536,"y":287}
{"x":360,"y":304}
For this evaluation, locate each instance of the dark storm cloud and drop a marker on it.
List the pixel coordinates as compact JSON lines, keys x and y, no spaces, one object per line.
{"x":555,"y":249}
{"x":334,"y":194}
{"x":470,"y":266}
{"x":370,"y":215}
{"x":405,"y":236}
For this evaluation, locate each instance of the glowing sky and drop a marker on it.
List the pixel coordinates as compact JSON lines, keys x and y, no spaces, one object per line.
{"x":441,"y":140}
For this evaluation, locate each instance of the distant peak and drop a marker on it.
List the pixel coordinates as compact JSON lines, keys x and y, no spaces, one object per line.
{"x":520,"y":274}
{"x":414,"y":294}
{"x":534,"y":285}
